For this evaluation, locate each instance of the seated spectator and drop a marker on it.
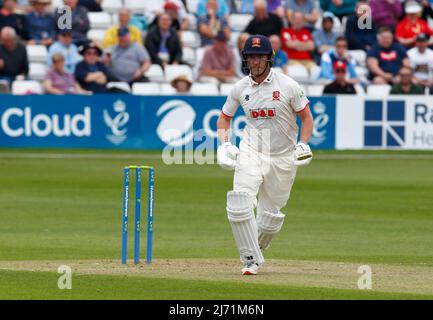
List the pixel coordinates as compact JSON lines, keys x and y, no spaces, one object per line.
{"x":309,"y":8}
{"x":280,"y":59}
{"x":208,"y":26}
{"x":111,"y":38}
{"x":91,"y":74}
{"x":298,"y":42}
{"x":340,"y":53}
{"x":264,"y":23}
{"x":8,"y":18}
{"x":360,"y":39}
{"x":91,"y":5}
{"x":14,"y":64}
{"x":42,"y":27}
{"x":163,"y":43}
{"x":411,"y":25}
{"x":59,"y":81}
{"x":386,"y":58}
{"x":421,"y":61}
{"x":386,"y":13}
{"x":340,"y":85}
{"x":325,"y":38}
{"x":241,"y":70}
{"x":340,"y":8}
{"x":80,"y":21}
{"x":406,"y":85}
{"x":128,"y":61}
{"x":274,"y":6}
{"x":172,"y":9}
{"x":182,"y":84}
{"x":218,"y":63}
{"x":69,"y":50}
{"x":222,"y":8}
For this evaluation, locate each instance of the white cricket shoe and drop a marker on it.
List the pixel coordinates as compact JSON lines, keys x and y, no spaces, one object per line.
{"x":250,"y":268}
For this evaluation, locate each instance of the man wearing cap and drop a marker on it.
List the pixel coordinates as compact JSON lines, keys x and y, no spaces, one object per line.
{"x":128,"y":61}
{"x":111,"y":35}
{"x":421,"y":61}
{"x":218,"y":63}
{"x":325,"y":38}
{"x":42,"y":27}
{"x":411,"y":25}
{"x":340,"y":85}
{"x":92,"y":74}
{"x":339,"y":53}
{"x":68,"y":49}
{"x":268,"y":156}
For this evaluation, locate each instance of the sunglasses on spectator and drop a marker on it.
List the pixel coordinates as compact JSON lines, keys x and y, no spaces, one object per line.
{"x":340,"y":71}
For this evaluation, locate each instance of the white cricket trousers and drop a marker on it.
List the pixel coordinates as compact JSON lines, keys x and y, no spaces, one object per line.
{"x":268,"y":179}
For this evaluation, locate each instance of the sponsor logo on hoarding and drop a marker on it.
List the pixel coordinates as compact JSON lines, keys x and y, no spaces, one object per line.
{"x":384,"y":123}
{"x":321,"y":120}
{"x":117,"y":124}
{"x":17,"y":122}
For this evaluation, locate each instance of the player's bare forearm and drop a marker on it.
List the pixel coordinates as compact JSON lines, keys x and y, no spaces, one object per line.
{"x":223,"y":125}
{"x":306,"y":124}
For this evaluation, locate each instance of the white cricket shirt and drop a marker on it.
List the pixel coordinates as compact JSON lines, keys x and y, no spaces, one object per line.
{"x":421,"y":63}
{"x":270,"y":109}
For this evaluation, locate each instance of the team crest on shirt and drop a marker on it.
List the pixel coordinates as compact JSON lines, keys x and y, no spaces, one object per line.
{"x":276,"y":95}
{"x":256,"y":43}
{"x":247,"y":97}
{"x":262,"y":113}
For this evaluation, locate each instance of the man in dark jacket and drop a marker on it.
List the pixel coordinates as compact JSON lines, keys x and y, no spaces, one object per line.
{"x":92,"y":74}
{"x":163,"y":44}
{"x":340,"y":84}
{"x":13,"y":56}
{"x":360,"y":39}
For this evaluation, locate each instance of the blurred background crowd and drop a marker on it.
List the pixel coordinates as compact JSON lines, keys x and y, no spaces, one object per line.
{"x":194,"y":46}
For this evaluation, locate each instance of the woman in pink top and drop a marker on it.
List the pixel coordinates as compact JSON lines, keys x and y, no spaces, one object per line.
{"x":58,"y":81}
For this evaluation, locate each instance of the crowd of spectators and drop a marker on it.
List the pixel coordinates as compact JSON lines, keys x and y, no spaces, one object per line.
{"x":396,"y":42}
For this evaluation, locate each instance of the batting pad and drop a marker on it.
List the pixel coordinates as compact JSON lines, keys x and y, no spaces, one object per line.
{"x":244,"y":227}
{"x":269,"y":224}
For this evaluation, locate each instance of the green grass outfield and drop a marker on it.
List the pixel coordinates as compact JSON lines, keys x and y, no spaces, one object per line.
{"x":347,"y":209}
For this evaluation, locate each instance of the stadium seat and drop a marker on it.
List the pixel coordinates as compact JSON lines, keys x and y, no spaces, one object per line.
{"x":315,"y":89}
{"x":135,"y":6}
{"x":314,"y":73}
{"x":234,"y":35}
{"x":99,"y":20}
{"x":190,"y":39}
{"x":155,"y":73}
{"x":37,"y":70}
{"x":360,"y":56}
{"x":204,"y":89}
{"x":225,"y":88}
{"x":189,"y":55}
{"x":120,"y":85}
{"x":26,"y":87}
{"x":174,"y":70}
{"x":148,"y":88}
{"x":192,"y":5}
{"x":192,"y":22}
{"x":381,"y":90}
{"x":239,"y":21}
{"x":37,"y":53}
{"x":359,"y":90}
{"x":199,"y":53}
{"x":96,"y":35}
{"x":112,"y":6}
{"x":298,"y":72}
{"x":167,"y":89}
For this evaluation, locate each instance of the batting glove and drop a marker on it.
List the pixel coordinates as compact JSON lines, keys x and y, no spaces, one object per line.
{"x":303,"y":154}
{"x":226,"y":155}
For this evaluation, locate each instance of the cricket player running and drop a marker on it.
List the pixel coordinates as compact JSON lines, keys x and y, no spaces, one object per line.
{"x":265,"y":163}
